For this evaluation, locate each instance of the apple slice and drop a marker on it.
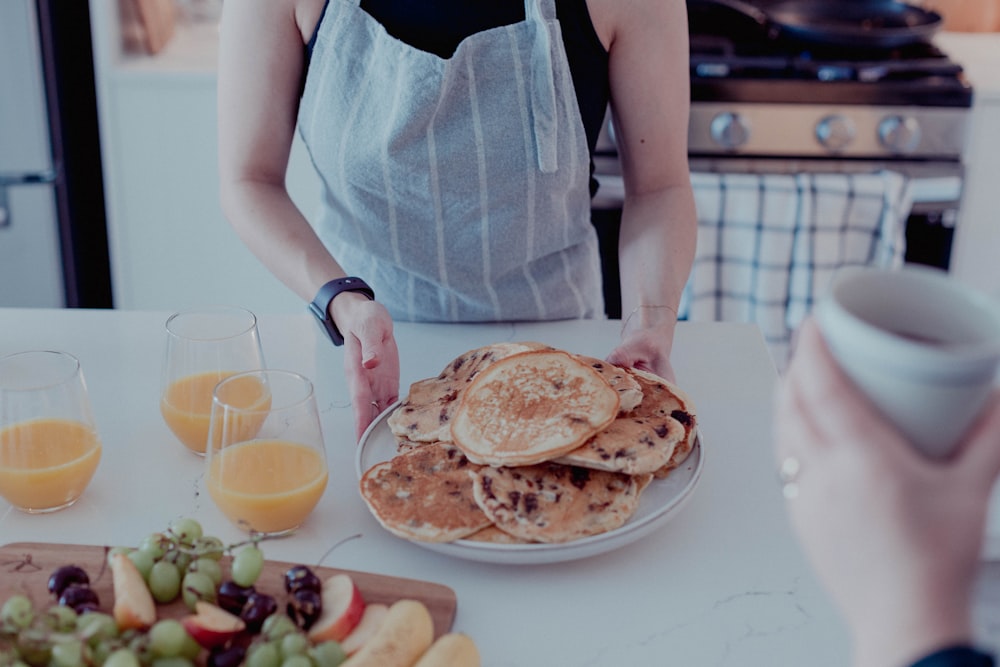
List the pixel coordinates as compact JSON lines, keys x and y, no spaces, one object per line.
{"x":343,"y":606}
{"x":212,"y":626}
{"x":134,"y":607}
{"x":369,"y":624}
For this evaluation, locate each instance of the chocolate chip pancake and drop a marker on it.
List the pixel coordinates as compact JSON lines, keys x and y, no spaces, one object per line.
{"x":680,"y":407}
{"x":531,"y":407}
{"x":424,"y":494}
{"x":638,"y":442}
{"x":629,"y":390}
{"x":493,"y":535}
{"x":554,"y":503}
{"x":425,"y":414}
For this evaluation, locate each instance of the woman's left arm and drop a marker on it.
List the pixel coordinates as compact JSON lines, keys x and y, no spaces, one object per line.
{"x":650,"y":100}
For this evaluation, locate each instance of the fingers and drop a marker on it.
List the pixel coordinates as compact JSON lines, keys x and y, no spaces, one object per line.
{"x":980,"y":450}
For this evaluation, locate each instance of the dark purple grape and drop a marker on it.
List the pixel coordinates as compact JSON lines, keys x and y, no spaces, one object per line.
{"x":300,"y":577}
{"x":304,"y":607}
{"x":77,"y":595}
{"x":66,"y":576}
{"x":258,"y":607}
{"x":227,"y":656}
{"x":232,"y":597}
{"x":86,"y":607}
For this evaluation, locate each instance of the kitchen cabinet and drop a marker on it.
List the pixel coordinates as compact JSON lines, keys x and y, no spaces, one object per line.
{"x":170,"y":245}
{"x":977,"y":232}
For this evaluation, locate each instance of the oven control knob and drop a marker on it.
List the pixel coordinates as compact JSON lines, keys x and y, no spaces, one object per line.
{"x":899,"y":134}
{"x":730,"y":130}
{"x":835,"y":132}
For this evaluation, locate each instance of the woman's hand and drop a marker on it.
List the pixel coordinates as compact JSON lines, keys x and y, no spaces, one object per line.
{"x":371,"y":358}
{"x":895,"y":536}
{"x":646,"y":349}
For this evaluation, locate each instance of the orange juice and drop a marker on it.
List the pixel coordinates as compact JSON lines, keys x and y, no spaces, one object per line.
{"x":47,"y":463}
{"x":186,"y":406}
{"x":269,"y":486}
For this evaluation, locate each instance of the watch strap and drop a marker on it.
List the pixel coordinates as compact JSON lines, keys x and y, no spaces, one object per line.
{"x":320,"y":306}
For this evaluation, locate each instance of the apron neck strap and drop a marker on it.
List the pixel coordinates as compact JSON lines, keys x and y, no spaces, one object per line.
{"x":537,"y":10}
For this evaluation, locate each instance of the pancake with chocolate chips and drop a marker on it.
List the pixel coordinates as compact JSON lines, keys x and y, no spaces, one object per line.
{"x":531,"y":407}
{"x":493,"y":535}
{"x":629,"y":390}
{"x":638,"y":442}
{"x":425,"y":414}
{"x":680,"y":406}
{"x":424,"y":494}
{"x":553,"y":503}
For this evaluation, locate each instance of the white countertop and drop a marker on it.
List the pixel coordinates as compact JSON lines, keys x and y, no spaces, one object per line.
{"x":723,"y":583}
{"x":979,"y":54}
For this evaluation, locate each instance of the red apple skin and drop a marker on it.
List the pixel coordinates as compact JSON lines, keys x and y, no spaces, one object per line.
{"x":369,"y":624}
{"x":212,"y":626}
{"x":343,"y":606}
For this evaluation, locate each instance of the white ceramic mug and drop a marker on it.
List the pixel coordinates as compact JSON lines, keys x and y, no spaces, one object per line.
{"x":924,"y":348}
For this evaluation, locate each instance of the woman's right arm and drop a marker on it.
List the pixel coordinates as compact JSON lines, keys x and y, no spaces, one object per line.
{"x":261,"y":67}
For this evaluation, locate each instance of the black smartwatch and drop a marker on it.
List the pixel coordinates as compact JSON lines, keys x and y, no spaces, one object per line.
{"x":320,"y":306}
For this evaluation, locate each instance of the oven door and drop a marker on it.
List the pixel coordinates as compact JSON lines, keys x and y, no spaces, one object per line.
{"x":772,"y":231}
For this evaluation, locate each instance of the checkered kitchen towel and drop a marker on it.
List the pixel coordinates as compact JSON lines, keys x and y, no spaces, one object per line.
{"x":768,"y":244}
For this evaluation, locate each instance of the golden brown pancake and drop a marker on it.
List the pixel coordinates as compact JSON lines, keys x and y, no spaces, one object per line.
{"x":681,"y":408}
{"x":629,"y":390}
{"x":494,"y":535}
{"x":531,"y":407}
{"x":639,"y":442}
{"x":554,"y":503}
{"x":426,"y":412}
{"x":424,"y":494}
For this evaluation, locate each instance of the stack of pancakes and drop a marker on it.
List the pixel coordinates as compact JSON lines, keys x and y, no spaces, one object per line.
{"x":521,"y":442}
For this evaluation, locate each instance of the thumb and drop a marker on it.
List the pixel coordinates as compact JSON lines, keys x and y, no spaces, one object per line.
{"x":980,"y":451}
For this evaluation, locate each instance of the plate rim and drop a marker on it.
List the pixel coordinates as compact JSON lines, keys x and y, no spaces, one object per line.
{"x":539,"y":553}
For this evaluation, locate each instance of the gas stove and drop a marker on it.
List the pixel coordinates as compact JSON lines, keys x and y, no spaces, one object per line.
{"x":754,"y":94}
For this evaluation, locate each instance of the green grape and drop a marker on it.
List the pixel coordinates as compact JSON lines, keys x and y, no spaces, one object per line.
{"x":166,"y":638}
{"x":59,"y":618}
{"x":328,"y":654}
{"x":209,"y":547}
{"x":173,"y":661}
{"x":265,"y":654}
{"x":247,"y":565}
{"x":207,"y":566}
{"x":197,"y":586}
{"x":143,"y":561}
{"x":122,"y":657}
{"x":276,"y":626}
{"x":35,"y":646}
{"x":179,"y":558}
{"x":156,"y":544}
{"x":164,"y":582}
{"x":67,"y":653}
{"x":187,"y":531}
{"x":139,"y":645}
{"x":96,"y":626}
{"x":191,"y":648}
{"x":16,"y":613}
{"x":296,"y":661}
{"x":101,"y":649}
{"x":294,"y":643}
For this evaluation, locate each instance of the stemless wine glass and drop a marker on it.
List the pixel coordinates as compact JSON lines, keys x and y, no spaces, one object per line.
{"x":49,"y":447}
{"x":266,"y":464}
{"x":204,"y":346}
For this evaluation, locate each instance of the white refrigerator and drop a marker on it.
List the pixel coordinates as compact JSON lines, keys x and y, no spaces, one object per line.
{"x":53,"y":239}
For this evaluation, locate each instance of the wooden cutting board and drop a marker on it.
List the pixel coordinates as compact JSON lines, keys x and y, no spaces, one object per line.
{"x":25,"y":568}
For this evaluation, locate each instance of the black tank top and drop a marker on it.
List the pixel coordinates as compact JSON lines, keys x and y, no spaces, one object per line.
{"x":437,"y":26}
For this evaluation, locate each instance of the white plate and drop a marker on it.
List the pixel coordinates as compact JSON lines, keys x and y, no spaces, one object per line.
{"x":659,"y":503}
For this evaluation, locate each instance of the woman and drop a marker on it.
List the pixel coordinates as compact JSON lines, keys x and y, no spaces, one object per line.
{"x":452,"y":141}
{"x":895,"y":536}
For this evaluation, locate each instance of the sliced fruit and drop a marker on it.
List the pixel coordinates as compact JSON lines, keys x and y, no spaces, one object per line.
{"x":451,"y":650}
{"x":343,"y":606}
{"x":404,"y":634}
{"x":371,"y":621}
{"x":134,"y":606}
{"x":212,"y":626}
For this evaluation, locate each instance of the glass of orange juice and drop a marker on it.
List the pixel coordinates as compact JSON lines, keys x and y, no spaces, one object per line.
{"x":49,"y":447}
{"x":204,"y":346}
{"x":266,"y":466}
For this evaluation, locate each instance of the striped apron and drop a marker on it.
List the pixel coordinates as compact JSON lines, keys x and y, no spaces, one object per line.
{"x":458,"y":188}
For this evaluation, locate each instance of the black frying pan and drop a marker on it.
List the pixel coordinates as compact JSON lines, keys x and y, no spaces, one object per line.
{"x":876,"y":23}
